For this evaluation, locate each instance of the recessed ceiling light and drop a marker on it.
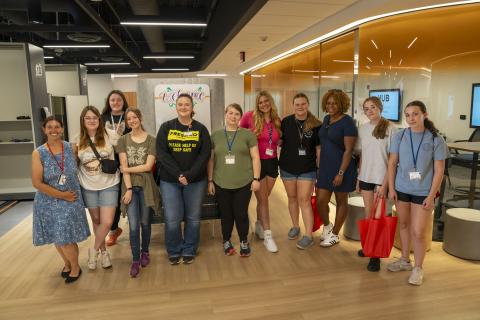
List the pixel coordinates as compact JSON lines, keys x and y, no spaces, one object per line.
{"x":76,"y":46}
{"x":170,"y":69}
{"x":107,"y":63}
{"x":168,"y":57}
{"x":164,"y":24}
{"x":258,"y":75}
{"x":212,"y":74}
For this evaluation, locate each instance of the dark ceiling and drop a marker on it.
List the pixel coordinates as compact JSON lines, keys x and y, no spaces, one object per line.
{"x":89,"y":22}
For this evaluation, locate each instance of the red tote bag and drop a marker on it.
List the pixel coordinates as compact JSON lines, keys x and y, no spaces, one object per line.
{"x":317,"y":221}
{"x":377,"y":235}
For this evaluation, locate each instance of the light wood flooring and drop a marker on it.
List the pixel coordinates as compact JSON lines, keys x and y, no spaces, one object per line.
{"x":317,"y":283}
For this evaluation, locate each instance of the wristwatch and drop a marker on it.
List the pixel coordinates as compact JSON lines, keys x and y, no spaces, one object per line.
{"x":256,"y":179}
{"x":340,"y":172}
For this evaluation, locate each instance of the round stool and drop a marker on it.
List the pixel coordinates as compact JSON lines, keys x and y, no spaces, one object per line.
{"x":461,"y":236}
{"x":428,"y":233}
{"x":356,"y":211}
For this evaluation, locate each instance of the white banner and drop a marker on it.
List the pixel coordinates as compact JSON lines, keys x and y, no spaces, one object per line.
{"x":166,"y":95}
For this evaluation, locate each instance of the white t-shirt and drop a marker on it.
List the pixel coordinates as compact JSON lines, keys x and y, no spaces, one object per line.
{"x":90,"y":173}
{"x":374,"y":153}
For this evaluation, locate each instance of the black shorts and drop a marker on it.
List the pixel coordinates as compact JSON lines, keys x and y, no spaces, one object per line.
{"x":365,"y":186}
{"x":269,"y":168}
{"x":405,"y":197}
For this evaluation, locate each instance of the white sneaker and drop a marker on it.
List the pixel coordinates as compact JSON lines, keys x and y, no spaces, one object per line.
{"x":416,"y":277}
{"x":330,"y":240}
{"x":268,"y":241}
{"x":326,"y":230}
{"x":259,"y":230}
{"x":92,"y":258}
{"x":401,"y":264}
{"x":106,"y":262}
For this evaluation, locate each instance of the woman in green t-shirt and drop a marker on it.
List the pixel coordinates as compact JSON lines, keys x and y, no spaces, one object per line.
{"x":233,"y":173}
{"x":139,"y":190}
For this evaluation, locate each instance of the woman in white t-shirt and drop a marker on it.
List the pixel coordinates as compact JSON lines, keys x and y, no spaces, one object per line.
{"x":99,"y":189}
{"x":374,"y":142}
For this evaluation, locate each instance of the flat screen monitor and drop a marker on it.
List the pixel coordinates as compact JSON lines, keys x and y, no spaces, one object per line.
{"x":475,"y":108}
{"x":391,"y":100}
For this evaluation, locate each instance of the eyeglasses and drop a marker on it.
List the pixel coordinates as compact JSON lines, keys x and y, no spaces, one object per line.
{"x":93,"y":119}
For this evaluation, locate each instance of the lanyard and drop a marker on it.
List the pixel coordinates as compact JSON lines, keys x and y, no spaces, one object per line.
{"x":229,"y":145}
{"x":61,"y":166}
{"x":300,"y":131}
{"x":270,"y":134}
{"x":415,"y":156}
{"x":113,"y":122}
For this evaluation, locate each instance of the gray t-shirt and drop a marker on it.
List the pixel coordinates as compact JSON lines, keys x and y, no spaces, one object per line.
{"x":430,"y":150}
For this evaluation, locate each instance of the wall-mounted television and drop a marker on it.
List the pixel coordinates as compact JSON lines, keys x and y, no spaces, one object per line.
{"x":392,"y":102}
{"x":475,"y":107}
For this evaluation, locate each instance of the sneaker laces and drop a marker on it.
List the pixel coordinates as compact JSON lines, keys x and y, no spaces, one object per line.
{"x":227,"y":245}
{"x":243,"y":245}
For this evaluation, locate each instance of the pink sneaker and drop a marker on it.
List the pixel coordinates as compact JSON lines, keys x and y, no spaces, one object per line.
{"x":144,"y":259}
{"x":135,"y":269}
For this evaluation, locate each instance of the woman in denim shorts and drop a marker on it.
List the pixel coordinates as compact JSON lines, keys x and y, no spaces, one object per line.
{"x":298,"y":164}
{"x":99,"y":189}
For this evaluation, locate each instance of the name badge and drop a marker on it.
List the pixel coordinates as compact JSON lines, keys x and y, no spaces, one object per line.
{"x":230,"y":159}
{"x":62,"y":179}
{"x":415,"y":175}
{"x":269,"y":152}
{"x":188,"y":134}
{"x":302,"y":151}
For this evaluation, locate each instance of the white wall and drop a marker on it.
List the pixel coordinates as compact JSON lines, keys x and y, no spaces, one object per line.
{"x":63,"y":83}
{"x":234,"y":91}
{"x":125,"y":84}
{"x":99,"y":85}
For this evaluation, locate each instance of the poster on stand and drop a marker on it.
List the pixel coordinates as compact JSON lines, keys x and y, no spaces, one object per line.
{"x":166,"y":95}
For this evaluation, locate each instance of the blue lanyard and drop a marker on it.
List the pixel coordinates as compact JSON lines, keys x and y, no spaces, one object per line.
{"x":270,"y":133}
{"x":229,"y":145}
{"x":415,"y":157}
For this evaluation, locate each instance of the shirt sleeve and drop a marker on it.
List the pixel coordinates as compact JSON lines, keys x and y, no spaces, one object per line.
{"x":121,"y":145}
{"x":316,"y":137}
{"x":200,"y":163}
{"x":395,"y":143}
{"x":251,"y":139}
{"x":441,"y":151}
{"x":163,"y":153}
{"x":350,"y":129}
{"x":392,"y":130}
{"x":151,"y":147}
{"x":246,"y":121}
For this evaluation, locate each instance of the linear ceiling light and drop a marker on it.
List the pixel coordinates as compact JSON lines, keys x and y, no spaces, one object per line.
{"x":48,"y":57}
{"x":107,"y":63}
{"x":374,"y":44}
{"x":368,"y":58}
{"x":212,"y":74}
{"x":76,"y":46}
{"x":411,"y":43}
{"x":124,"y":75}
{"x":348,"y":27}
{"x":258,"y":75}
{"x":343,"y":61}
{"x":170,"y":69}
{"x":164,"y":24}
{"x":169,"y":57}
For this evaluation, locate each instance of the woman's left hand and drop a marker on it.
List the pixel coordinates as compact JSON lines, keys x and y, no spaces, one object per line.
{"x":255,"y":186}
{"x":127,"y":197}
{"x":429,"y":203}
{"x":124,"y":169}
{"x":337,"y":181}
{"x":381,"y":191}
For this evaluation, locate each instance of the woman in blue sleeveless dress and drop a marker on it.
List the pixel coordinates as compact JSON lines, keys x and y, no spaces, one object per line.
{"x":58,"y":211}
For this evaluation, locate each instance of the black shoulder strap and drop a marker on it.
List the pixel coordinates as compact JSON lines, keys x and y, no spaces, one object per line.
{"x":94,"y":149}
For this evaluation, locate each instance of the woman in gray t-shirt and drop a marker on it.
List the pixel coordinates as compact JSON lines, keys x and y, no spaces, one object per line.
{"x":415,"y":172}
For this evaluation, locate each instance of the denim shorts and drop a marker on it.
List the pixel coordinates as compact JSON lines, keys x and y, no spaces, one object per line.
{"x":310,"y":176}
{"x":101,"y":198}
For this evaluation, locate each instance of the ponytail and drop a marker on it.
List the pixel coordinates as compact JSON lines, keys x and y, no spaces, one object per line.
{"x":380,"y":130}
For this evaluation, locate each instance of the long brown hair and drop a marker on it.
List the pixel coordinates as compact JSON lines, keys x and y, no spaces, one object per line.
{"x":99,"y":135}
{"x":311,"y":121}
{"x":107,"y":109}
{"x":380,"y":130}
{"x":426,"y":122}
{"x":139,"y":115}
{"x":259,"y":117}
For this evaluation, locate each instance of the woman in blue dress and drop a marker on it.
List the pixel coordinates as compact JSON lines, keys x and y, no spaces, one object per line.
{"x":58,"y":211}
{"x":337,"y":172}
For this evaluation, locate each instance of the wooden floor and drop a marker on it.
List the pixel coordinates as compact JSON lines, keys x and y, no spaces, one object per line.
{"x":317,"y":283}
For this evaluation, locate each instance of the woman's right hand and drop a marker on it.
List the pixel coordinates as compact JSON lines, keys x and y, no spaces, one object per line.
{"x":127,"y":197}
{"x":69,"y":195}
{"x":392,"y":195}
{"x":211,"y":188}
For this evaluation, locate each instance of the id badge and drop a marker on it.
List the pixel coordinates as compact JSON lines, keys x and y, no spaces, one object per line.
{"x":230,"y":159}
{"x":415,"y":175}
{"x":302,"y":152}
{"x":269,"y":152}
{"x":62,"y":179}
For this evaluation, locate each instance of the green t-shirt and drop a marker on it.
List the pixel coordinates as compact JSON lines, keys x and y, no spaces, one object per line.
{"x":233,"y":176}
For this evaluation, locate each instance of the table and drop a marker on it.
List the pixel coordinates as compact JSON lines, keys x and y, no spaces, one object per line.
{"x":473,"y":147}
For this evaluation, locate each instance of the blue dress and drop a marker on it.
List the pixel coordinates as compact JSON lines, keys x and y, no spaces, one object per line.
{"x":331,"y":154}
{"x":55,"y":220}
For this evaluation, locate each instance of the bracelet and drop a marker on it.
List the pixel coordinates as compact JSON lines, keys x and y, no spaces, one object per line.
{"x":129,"y":188}
{"x":256,"y":179}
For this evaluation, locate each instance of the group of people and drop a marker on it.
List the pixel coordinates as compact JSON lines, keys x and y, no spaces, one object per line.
{"x":246,"y":155}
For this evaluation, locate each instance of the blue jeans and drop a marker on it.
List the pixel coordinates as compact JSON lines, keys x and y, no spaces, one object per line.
{"x":139,"y":216}
{"x":182,"y":203}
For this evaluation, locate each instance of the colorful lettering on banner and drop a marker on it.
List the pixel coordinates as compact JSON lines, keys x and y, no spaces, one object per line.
{"x":182,"y":136}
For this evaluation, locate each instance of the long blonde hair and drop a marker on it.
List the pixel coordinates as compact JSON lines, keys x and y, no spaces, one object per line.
{"x":380,"y":130}
{"x":259,"y":117}
{"x":311,"y":121}
{"x":99,"y":135}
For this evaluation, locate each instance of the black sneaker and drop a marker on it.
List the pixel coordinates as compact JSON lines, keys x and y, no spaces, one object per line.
{"x":174,"y":260}
{"x":374,"y":265}
{"x":188,"y":259}
{"x":244,"y":249}
{"x":228,"y":248}
{"x":360,"y":253}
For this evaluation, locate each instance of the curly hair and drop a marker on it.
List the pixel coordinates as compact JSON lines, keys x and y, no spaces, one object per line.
{"x":258,"y":116}
{"x":340,"y":97}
